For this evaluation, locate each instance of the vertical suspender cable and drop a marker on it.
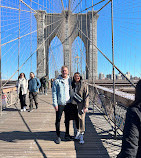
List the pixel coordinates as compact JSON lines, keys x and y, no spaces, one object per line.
{"x":93,"y":55}
{"x":0,"y":66}
{"x":19,"y":37}
{"x":46,"y":5}
{"x":31,"y":34}
{"x":52,"y":29}
{"x":114,"y":101}
{"x":47,"y":43}
{"x":53,"y":67}
{"x":92,"y":43}
{"x":87,"y":70}
{"x":47,"y":63}
{"x":81,"y":44}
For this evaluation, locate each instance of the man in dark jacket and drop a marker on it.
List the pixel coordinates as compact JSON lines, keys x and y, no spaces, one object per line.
{"x":44,"y":85}
{"x":33,"y":86}
{"x":131,"y":143}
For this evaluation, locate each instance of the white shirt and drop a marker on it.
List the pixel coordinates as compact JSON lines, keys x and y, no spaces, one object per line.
{"x":23,"y":84}
{"x":67,"y":89}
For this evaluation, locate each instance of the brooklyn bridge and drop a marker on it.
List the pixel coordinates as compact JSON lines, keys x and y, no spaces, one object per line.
{"x":92,"y":37}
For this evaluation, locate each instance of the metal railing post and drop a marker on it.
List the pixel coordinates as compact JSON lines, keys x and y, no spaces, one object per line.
{"x":114,"y":101}
{"x":11,"y":99}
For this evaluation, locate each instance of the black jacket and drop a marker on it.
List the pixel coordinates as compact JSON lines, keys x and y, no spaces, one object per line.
{"x":131,"y":142}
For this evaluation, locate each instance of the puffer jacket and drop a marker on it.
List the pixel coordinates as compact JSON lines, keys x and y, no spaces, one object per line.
{"x":58,"y":91}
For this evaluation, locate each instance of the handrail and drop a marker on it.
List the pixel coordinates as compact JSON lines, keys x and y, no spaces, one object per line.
{"x":104,"y":101}
{"x":9,"y":89}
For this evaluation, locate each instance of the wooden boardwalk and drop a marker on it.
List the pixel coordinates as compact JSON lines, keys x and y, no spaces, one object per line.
{"x":32,"y":134}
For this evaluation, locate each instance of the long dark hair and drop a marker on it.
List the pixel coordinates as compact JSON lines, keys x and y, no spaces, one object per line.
{"x":20,"y":75}
{"x":73,"y":81}
{"x":137,"y":94}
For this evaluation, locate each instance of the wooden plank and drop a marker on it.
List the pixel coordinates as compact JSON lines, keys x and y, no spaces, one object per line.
{"x":32,"y":135}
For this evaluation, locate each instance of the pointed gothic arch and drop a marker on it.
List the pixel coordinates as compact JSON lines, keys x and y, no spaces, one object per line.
{"x":55,"y":57}
{"x":69,"y":31}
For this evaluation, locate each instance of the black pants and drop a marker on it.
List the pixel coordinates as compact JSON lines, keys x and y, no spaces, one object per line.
{"x":33,"y":96}
{"x":62,"y":108}
{"x":73,"y":114}
{"x":22,"y":100}
{"x":45,"y":89}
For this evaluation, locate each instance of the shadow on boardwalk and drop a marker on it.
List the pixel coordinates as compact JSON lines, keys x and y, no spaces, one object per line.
{"x":93,"y":146}
{"x":33,"y":134}
{"x":21,"y":135}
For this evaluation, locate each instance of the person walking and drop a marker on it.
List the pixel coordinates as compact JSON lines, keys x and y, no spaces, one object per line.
{"x":41,"y":87}
{"x":61,"y":101}
{"x":33,"y":86}
{"x":44,"y":85}
{"x":52,"y":82}
{"x":80,"y":100}
{"x":22,"y":87}
{"x":131,"y":141}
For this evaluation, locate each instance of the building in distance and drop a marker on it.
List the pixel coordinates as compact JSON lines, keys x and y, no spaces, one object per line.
{"x":101,"y":76}
{"x":119,"y":76}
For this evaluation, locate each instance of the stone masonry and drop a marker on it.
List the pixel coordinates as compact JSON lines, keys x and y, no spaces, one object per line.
{"x":66,"y":26}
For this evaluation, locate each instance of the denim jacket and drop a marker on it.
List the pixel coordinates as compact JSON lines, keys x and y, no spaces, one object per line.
{"x":58,"y":91}
{"x":33,"y":85}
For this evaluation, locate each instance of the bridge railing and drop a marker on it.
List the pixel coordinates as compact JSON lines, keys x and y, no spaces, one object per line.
{"x":9,"y":96}
{"x":103,"y":99}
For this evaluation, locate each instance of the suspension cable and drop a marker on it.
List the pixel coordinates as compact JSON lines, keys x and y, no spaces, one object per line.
{"x":107,"y":58}
{"x":43,"y":6}
{"x":27,"y":34}
{"x":31,"y":55}
{"x":77,"y":5}
{"x":63,"y":6}
{"x":92,"y":6}
{"x":28,"y":6}
{"x":15,"y":9}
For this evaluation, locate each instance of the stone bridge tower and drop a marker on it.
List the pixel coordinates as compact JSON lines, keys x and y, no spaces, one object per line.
{"x":66,"y":23}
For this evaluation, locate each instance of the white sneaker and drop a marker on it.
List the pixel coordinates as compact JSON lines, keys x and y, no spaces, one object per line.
{"x":24,"y":109}
{"x":77,"y":137}
{"x":21,"y":110}
{"x":81,"y":139}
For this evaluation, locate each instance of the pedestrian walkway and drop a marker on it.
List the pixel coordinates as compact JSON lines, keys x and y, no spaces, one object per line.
{"x":32,"y":134}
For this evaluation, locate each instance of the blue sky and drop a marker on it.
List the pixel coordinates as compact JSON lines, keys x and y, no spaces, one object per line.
{"x":127,"y":37}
